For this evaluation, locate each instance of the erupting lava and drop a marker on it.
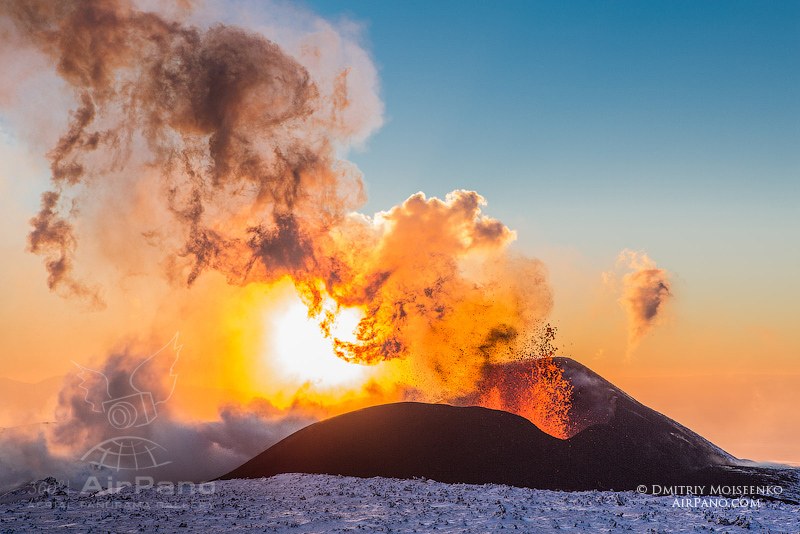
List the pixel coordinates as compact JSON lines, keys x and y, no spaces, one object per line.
{"x":539,"y":393}
{"x":211,"y":150}
{"x":534,"y":388}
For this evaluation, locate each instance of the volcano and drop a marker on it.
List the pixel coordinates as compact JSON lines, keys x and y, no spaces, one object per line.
{"x":617,"y":444}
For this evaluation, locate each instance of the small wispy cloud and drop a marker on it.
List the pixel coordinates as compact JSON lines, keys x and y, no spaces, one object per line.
{"x":645,"y":289}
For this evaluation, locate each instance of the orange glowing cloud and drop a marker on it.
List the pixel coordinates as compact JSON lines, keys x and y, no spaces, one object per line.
{"x":645,"y":290}
{"x":200,"y":185}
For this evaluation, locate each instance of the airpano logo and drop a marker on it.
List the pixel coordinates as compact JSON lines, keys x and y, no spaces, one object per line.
{"x":716,"y":502}
{"x":713,"y":496}
{"x":137,"y":407}
{"x":717,"y":489}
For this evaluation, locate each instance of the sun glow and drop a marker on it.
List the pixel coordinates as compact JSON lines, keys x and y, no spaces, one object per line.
{"x":301,"y":353}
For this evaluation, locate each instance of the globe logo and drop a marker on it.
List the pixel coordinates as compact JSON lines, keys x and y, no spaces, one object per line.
{"x":133,"y":410}
{"x":126,"y":452}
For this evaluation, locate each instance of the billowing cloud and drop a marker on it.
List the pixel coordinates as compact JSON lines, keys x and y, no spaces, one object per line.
{"x":91,"y":400}
{"x":194,"y":154}
{"x":223,"y":151}
{"x":645,"y":291}
{"x":236,"y":129}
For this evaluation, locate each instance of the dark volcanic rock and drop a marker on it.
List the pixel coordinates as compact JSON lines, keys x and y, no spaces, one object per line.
{"x":405,"y":440}
{"x":625,"y":443}
{"x":620,"y":444}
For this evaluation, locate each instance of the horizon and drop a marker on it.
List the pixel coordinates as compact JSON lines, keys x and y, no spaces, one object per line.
{"x":638,"y":163}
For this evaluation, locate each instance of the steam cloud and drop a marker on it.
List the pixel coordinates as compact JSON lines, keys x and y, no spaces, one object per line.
{"x":242,"y":144}
{"x":645,"y":290}
{"x":234,"y":126}
{"x":189,"y":451}
{"x":218,"y":151}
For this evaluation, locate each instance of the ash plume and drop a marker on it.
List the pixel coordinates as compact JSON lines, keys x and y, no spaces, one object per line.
{"x":194,"y":150}
{"x":229,"y":121}
{"x":194,"y":451}
{"x":645,"y":290}
{"x":222,"y":150}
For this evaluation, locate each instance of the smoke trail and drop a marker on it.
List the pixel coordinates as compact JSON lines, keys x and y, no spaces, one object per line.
{"x":240,"y":142}
{"x":210,"y":149}
{"x":645,"y":290}
{"x":89,"y":403}
{"x":231,"y":122}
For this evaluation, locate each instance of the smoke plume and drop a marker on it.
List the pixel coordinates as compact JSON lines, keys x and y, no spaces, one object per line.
{"x":240,"y":144}
{"x":645,"y":290}
{"x":191,"y":451}
{"x":235,"y":128}
{"x":194,"y":151}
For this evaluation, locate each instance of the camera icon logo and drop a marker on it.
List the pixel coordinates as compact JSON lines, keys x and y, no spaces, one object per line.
{"x":135,"y":409}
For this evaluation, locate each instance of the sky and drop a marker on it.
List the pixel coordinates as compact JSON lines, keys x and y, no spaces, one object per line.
{"x":670,"y":129}
{"x":596,"y":125}
{"x":590,"y":127}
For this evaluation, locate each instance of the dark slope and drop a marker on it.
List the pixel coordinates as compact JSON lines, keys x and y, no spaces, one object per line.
{"x":624,"y":441}
{"x":596,"y":401}
{"x":437,"y":441}
{"x":626,"y":444}
{"x":621,"y":444}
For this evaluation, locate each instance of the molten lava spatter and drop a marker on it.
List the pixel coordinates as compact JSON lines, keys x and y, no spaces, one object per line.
{"x":215,"y":155}
{"x":534,"y":388}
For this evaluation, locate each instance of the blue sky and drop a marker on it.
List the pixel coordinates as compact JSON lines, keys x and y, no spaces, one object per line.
{"x":597,"y":125}
{"x":590,"y":127}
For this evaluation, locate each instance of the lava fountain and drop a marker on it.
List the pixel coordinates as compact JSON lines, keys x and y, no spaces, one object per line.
{"x":194,"y":152}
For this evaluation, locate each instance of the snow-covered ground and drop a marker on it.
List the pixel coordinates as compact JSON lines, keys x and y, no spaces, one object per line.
{"x":320,"y":503}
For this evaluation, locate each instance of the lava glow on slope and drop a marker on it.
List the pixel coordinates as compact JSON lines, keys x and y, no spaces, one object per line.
{"x":195,"y":154}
